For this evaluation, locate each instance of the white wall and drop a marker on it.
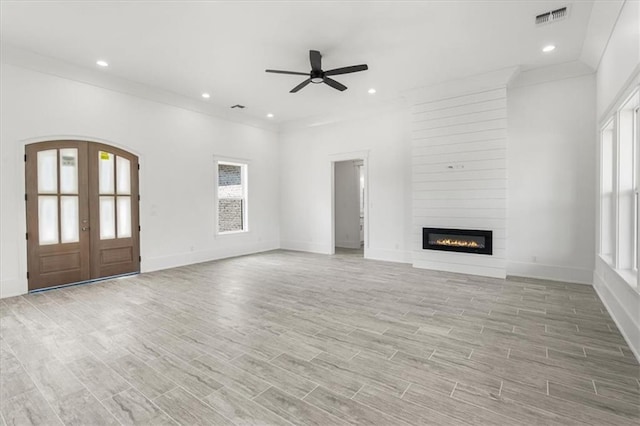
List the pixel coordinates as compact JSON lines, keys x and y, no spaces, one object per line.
{"x":176,"y":149}
{"x":305,"y":183}
{"x":619,"y":67}
{"x":347,"y":205}
{"x":459,"y":175}
{"x":552,"y":179}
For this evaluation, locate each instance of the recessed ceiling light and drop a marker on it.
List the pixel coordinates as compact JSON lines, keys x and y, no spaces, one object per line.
{"x":548,"y":48}
{"x":270,"y":115}
{"x":372,"y":91}
{"x":102,"y":63}
{"x":206,"y":95}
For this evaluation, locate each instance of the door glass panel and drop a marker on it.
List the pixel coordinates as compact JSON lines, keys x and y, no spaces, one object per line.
{"x":69,"y":232}
{"x":123,"y":175}
{"x":105,"y":172}
{"x":69,"y":171}
{"x":107,"y":218}
{"x":48,"y":219}
{"x":124,"y":217}
{"x":48,"y":171}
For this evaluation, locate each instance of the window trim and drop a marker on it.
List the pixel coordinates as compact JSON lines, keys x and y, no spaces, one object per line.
{"x":636,"y":189}
{"x":626,"y":103}
{"x":244,"y":164}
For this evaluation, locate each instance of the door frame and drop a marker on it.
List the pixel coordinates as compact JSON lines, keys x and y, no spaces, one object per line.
{"x":20,"y":179}
{"x":349,"y":156}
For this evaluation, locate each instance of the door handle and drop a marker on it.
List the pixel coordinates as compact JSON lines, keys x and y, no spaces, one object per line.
{"x":85,"y":228}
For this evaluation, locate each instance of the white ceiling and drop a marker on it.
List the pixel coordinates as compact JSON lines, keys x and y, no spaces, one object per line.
{"x":224,"y":47}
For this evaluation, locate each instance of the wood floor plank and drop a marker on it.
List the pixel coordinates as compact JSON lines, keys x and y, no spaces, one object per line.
{"x":518,"y":412}
{"x":402,"y":409}
{"x":577,"y":411}
{"x":348,"y":409}
{"x":99,"y":378}
{"x":295,"y":410}
{"x":186,"y":409}
{"x":186,"y":375}
{"x":294,"y":384}
{"x":329,"y":377}
{"x":242,"y":411}
{"x":82,"y":408}
{"x":145,"y":379}
{"x":615,"y":406}
{"x":28,"y":408}
{"x":130,"y":407}
{"x":459,"y":410}
{"x":234,"y":378}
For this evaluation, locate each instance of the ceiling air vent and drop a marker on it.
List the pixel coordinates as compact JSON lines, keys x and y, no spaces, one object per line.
{"x":552,"y":16}
{"x":238,"y":106}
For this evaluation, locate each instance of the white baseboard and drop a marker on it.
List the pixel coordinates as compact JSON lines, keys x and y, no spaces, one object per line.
{"x":550,"y":272}
{"x":305,"y":246}
{"x":13,"y":287}
{"x":189,"y":258}
{"x":628,"y":326}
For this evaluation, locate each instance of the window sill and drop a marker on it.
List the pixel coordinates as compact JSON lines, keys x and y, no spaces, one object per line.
{"x":222,"y":234}
{"x":631,"y":277}
{"x":627,"y":275}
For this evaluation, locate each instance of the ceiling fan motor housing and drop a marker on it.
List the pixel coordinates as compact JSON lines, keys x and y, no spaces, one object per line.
{"x":317,"y":76}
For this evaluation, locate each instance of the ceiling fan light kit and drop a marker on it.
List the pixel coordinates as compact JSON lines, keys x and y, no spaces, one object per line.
{"x":317,"y":75}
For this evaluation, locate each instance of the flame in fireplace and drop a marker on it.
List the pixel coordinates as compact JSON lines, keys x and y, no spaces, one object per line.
{"x":457,"y":243}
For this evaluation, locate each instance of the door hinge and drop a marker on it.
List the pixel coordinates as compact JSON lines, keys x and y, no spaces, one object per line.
{"x":139,"y":228}
{"x":139,"y":258}
{"x":25,"y":197}
{"x":27,"y":275}
{"x":25,"y":158}
{"x":138,"y":166}
{"x":138,"y":197}
{"x":26,"y":236}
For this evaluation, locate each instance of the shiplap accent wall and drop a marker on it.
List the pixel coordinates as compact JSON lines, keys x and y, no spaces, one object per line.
{"x":459,"y":175}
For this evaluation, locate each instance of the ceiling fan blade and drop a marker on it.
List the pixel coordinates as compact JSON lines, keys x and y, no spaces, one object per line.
{"x":338,"y":86}
{"x":316,"y":60}
{"x":347,"y":70}
{"x":287,"y":72}
{"x":300,"y":86}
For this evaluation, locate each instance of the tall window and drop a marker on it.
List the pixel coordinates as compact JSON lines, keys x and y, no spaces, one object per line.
{"x":607,"y":202}
{"x":232,"y":197}
{"x":619,"y":202}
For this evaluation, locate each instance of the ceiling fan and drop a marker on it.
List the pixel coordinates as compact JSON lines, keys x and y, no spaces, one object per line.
{"x":316,"y":75}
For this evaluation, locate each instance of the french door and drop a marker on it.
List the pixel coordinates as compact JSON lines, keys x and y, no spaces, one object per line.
{"x":82,"y":212}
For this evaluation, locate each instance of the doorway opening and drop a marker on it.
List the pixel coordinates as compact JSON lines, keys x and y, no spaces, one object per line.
{"x":82,"y":206}
{"x":349,"y":207}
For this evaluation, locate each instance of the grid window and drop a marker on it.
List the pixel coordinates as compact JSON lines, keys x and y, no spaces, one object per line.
{"x":232,"y":197}
{"x":619,"y":204}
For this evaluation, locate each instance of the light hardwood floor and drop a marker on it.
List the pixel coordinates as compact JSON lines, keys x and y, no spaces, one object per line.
{"x":292,"y":338}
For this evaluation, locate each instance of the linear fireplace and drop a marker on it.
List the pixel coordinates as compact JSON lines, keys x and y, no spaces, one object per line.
{"x":459,"y":240}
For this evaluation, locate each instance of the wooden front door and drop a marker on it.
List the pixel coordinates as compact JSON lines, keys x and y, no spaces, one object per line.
{"x":82,"y":212}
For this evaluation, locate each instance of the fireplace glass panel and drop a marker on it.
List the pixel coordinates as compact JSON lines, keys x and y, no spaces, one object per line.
{"x":456,"y":240}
